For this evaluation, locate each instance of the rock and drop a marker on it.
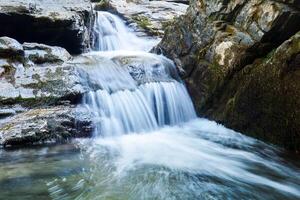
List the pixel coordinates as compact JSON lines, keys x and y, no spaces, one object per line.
{"x":36,"y":126}
{"x":40,"y":53}
{"x":177,"y":1}
{"x":42,"y":76}
{"x":64,"y":23}
{"x":36,"y":75}
{"x":145,"y":16}
{"x":10,"y":111}
{"x":263,"y":99}
{"x":147,"y":68}
{"x":126,"y":70}
{"x":217,"y":39}
{"x":10,"y":47}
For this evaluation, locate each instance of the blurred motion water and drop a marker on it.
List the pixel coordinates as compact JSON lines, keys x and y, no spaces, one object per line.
{"x":148,"y":142}
{"x":196,"y":160}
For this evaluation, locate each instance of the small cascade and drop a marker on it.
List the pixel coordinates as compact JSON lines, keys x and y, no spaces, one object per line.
{"x":179,"y":157}
{"x":131,"y":91}
{"x":144,"y":109}
{"x":110,"y":33}
{"x":138,"y":95}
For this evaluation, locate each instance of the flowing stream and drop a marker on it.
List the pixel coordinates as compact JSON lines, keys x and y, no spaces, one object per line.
{"x":148,"y":142}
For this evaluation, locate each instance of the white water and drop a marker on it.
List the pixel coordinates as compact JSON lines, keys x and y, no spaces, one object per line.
{"x":149,"y":143}
{"x":110,"y":33}
{"x":172,"y":160}
{"x":133,"y":91}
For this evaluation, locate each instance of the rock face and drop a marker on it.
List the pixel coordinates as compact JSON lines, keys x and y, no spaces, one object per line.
{"x":64,"y":23}
{"x":143,"y":15}
{"x":35,"y":81}
{"x":263,"y":99}
{"x":235,"y":71}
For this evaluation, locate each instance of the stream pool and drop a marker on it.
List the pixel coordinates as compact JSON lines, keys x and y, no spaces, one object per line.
{"x":195,"y":160}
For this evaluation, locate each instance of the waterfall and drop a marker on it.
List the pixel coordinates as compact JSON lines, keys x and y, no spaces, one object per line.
{"x":110,"y":33}
{"x":132,"y":91}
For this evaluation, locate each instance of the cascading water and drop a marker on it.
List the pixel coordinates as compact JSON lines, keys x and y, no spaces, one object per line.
{"x":136,"y":91}
{"x":160,"y":149}
{"x":110,"y":34}
{"x":148,"y":142}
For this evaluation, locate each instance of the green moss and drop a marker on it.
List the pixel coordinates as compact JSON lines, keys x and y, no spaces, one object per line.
{"x":101,"y":4}
{"x":142,"y":21}
{"x":145,"y":23}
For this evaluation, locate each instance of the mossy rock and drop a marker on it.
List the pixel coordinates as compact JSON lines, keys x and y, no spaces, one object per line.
{"x":263,"y":99}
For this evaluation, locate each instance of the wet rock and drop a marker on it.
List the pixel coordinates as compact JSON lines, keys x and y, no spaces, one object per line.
{"x":36,"y":126}
{"x":217,"y":39}
{"x":40,"y":53}
{"x":145,"y":16}
{"x":126,"y":70}
{"x":147,"y":68}
{"x":64,"y":23}
{"x":41,"y":76}
{"x":32,"y":85}
{"x":263,"y":99}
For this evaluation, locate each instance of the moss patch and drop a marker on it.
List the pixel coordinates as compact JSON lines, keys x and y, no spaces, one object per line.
{"x":145,"y":23}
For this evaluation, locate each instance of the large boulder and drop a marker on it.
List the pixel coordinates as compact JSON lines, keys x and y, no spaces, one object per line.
{"x":263,"y":99}
{"x":64,"y":23}
{"x":215,"y":40}
{"x":35,"y":74}
{"x":39,"y":86}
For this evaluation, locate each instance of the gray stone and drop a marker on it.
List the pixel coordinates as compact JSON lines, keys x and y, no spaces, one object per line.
{"x":42,"y":76}
{"x":36,"y":126}
{"x":40,"y":53}
{"x":145,"y":16}
{"x":10,"y":47}
{"x":64,"y":23}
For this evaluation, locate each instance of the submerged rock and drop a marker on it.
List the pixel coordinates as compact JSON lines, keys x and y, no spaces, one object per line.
{"x":215,"y":40}
{"x":64,"y":23}
{"x":36,"y":126}
{"x":126,"y":70}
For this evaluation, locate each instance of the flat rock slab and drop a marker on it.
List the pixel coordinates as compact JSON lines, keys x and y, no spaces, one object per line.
{"x":64,"y":23}
{"x":55,"y":124}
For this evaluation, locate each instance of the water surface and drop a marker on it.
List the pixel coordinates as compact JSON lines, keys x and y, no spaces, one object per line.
{"x":195,"y":160}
